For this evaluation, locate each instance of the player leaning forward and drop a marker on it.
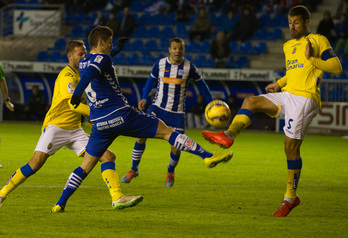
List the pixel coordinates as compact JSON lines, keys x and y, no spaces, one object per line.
{"x":62,"y":127}
{"x":307,"y":55}
{"x":112,"y":116}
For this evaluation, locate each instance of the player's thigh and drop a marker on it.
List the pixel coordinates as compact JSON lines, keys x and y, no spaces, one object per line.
{"x":78,"y":141}
{"x":52,"y":139}
{"x":260,"y":104}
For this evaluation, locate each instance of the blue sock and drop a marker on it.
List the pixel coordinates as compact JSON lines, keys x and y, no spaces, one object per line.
{"x":183,"y":142}
{"x":137,"y":153}
{"x":74,"y":181}
{"x":174,"y":160}
{"x":27,"y":171}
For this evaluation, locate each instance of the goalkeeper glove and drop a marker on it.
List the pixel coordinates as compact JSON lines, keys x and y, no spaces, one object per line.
{"x":121,"y":42}
{"x":75,"y":101}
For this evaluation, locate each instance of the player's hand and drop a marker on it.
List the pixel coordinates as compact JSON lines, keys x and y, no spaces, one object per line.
{"x":75,"y":101}
{"x":272,"y":87}
{"x":121,"y":42}
{"x":141,"y":104}
{"x":309,"y":49}
{"x":10,"y":106}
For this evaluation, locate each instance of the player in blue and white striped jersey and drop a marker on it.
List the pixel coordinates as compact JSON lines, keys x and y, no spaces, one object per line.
{"x":112,"y":116}
{"x":172,"y":75}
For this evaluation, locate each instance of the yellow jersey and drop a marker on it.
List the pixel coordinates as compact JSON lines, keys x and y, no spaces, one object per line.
{"x":60,"y":113}
{"x":302,"y":77}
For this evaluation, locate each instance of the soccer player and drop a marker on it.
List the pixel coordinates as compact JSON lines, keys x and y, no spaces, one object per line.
{"x":172,"y":75}
{"x":113,"y":116}
{"x":62,"y":127}
{"x":4,"y":91}
{"x":307,"y":55}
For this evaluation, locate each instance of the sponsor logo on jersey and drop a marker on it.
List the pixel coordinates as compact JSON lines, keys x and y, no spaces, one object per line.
{"x":98,"y":59}
{"x":172,"y":80}
{"x":71,"y":87}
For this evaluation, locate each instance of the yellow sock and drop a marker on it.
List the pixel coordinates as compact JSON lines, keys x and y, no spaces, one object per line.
{"x":293,"y":176}
{"x":111,"y":180}
{"x":241,"y":121}
{"x":16,"y":179}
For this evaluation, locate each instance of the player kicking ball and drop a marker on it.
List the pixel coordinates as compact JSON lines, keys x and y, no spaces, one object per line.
{"x":112,"y":116}
{"x":307,"y":56}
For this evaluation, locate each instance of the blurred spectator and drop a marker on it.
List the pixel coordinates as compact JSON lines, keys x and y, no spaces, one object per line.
{"x":36,"y":107}
{"x":73,"y":6}
{"x":341,"y":29}
{"x":220,"y":50}
{"x":342,"y":8}
{"x":201,"y":26}
{"x":100,"y":20}
{"x":229,"y":24}
{"x":127,"y":23}
{"x":246,"y":26}
{"x":273,"y":6}
{"x":185,"y":11}
{"x":195,"y":118}
{"x":113,"y":23}
{"x":326,"y":27}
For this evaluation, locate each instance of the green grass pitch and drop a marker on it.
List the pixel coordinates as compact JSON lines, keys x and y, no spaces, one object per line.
{"x":236,"y":199}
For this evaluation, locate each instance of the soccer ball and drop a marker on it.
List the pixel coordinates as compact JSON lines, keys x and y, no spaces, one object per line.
{"x":217,"y":113}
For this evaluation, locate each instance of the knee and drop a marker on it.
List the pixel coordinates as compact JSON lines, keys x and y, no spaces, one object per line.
{"x":108,"y":156}
{"x":141,"y":140}
{"x":249,"y":103}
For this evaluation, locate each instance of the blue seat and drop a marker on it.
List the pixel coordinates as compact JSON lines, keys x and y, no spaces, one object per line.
{"x":55,"y":56}
{"x":344,"y":63}
{"x":260,"y":48}
{"x":157,"y":19}
{"x":343,"y":75}
{"x":264,"y":20}
{"x":145,"y":19}
{"x":275,"y":34}
{"x":137,"y":45}
{"x":279,"y":20}
{"x":180,"y":31}
{"x":163,"y":44}
{"x":59,"y":44}
{"x":242,"y":62}
{"x":42,"y":56}
{"x":210,"y":63}
{"x":119,"y":59}
{"x":140,"y":31}
{"x":153,"y":32}
{"x":200,"y":60}
{"x":136,"y":6}
{"x":203,"y":47}
{"x":234,"y":47}
{"x":167,"y":32}
{"x":157,"y":57}
{"x":260,"y":34}
{"x":229,"y":62}
{"x":151,"y":45}
{"x":245,"y":47}
{"x":132,"y":59}
{"x":188,"y":57}
{"x":190,"y":46}
{"x":146,"y":58}
{"x":169,"y":19}
{"x":76,"y":31}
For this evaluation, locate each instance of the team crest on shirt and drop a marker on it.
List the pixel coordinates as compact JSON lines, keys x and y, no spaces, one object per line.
{"x":49,"y":146}
{"x":98,"y":59}
{"x":180,"y":72}
{"x":294,"y":50}
{"x":71,"y":87}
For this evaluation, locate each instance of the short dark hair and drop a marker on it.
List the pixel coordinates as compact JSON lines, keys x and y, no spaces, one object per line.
{"x":99,"y":32}
{"x":300,"y":10}
{"x":72,"y":44}
{"x":177,"y":40}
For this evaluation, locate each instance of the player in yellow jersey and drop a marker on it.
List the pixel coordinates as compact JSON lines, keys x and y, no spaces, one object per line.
{"x":62,"y":127}
{"x":307,"y":55}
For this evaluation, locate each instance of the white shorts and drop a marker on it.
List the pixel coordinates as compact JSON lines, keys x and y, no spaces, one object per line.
{"x":54,"y":138}
{"x":298,"y":112}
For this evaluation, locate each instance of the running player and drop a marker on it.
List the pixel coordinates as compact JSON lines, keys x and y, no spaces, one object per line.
{"x":307,"y":55}
{"x":113,"y":116}
{"x":62,"y":127}
{"x":172,"y":75}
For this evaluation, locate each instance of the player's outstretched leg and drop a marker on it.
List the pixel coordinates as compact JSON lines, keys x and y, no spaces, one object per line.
{"x":226,"y":139}
{"x":137,"y":153}
{"x":183,"y":142}
{"x":126,"y":201}
{"x":174,"y":160}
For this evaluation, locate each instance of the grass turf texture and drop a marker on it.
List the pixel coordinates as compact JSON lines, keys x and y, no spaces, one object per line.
{"x":236,"y":199}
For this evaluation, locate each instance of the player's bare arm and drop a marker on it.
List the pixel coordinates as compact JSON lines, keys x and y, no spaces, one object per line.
{"x":141,"y":104}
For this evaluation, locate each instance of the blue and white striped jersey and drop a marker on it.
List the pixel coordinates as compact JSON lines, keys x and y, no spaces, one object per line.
{"x":103,"y":92}
{"x":172,"y":82}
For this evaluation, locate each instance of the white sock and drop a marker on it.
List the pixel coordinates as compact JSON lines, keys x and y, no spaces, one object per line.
{"x":289,"y":200}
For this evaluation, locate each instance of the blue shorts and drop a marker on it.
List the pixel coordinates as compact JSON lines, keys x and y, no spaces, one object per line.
{"x":127,"y":122}
{"x":175,"y":120}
